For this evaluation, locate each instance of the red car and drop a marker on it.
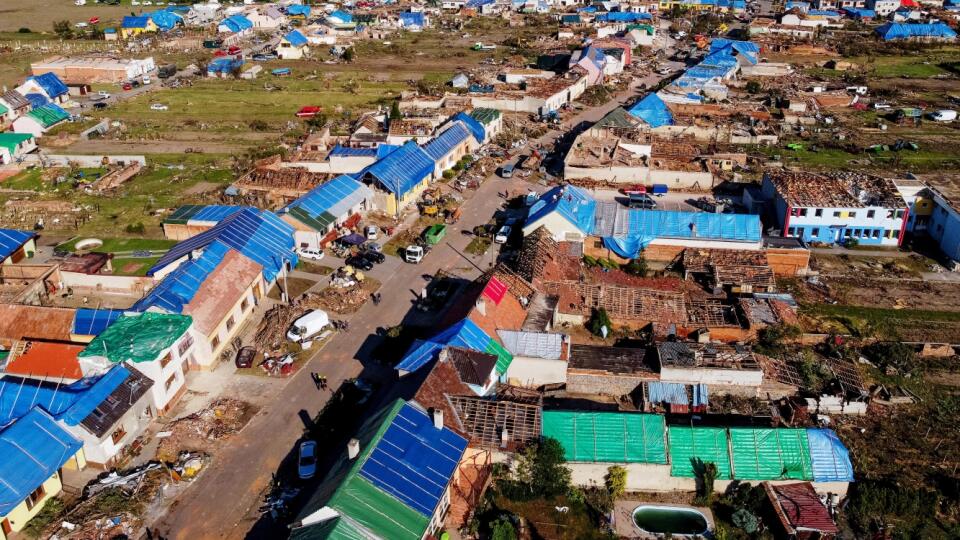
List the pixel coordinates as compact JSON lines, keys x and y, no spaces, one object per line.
{"x":234,"y":50}
{"x":94,"y":20}
{"x":127,"y":86}
{"x":634,"y":190}
{"x":218,"y":54}
{"x":309,"y":111}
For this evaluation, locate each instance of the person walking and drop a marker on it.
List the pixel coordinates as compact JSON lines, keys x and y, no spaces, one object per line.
{"x":316,"y":379}
{"x":323,"y":383}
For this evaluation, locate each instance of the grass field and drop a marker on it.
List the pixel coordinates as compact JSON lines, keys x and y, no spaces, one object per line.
{"x":122,"y":245}
{"x":900,"y":324}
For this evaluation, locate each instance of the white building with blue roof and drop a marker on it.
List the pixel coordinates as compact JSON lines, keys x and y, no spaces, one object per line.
{"x":293,"y":46}
{"x":324,"y":208}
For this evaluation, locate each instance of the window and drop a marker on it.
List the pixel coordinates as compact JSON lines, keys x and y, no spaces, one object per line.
{"x":803,"y":211}
{"x":118,"y":435}
{"x":875,"y":233}
{"x":815,"y":232}
{"x":847,"y":233}
{"x":836,"y":213}
{"x":185,"y":344}
{"x":871,"y":213}
{"x":792,"y":231}
{"x":170,"y":381}
{"x":818,"y":212}
{"x":852,"y":215}
{"x":215,"y":342}
{"x":245,"y":304}
{"x":165,"y":360}
{"x":800,"y":232}
{"x":35,"y":497}
{"x":257,"y":292}
{"x":230,"y":323}
{"x":899,"y":214}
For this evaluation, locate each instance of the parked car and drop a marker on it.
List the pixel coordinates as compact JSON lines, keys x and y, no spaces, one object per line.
{"x":307,"y":464}
{"x":264,"y":57}
{"x":309,"y":325}
{"x":361,"y":262}
{"x":146,"y":79}
{"x":127,"y":87}
{"x":643,"y":201}
{"x":944,"y":115}
{"x":100,"y":105}
{"x":234,"y":50}
{"x":374,"y":256}
{"x":372,"y":246}
{"x":879,"y":106}
{"x":506,"y":171}
{"x":159,"y":107}
{"x":370,"y":231}
{"x":311,"y":254}
{"x":503,"y":235}
{"x":245,"y":357}
{"x":104,"y":94}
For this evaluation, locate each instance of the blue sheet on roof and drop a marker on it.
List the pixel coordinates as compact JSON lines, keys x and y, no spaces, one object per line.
{"x":336,"y":197}
{"x":36,"y":100}
{"x":890,"y":31}
{"x":401,"y":170}
{"x":573,"y":203}
{"x":33,"y":449}
{"x":69,"y":403}
{"x":465,"y":334}
{"x":476,"y":128}
{"x":665,"y":392}
{"x":829,"y":457}
{"x":446,"y":142}
{"x":623,"y":17}
{"x":647,"y":225}
{"x":341,"y":16}
{"x":11,"y":240}
{"x":346,"y":151}
{"x":414,"y":461}
{"x":298,"y":9}
{"x":91,"y":322}
{"x":412,"y":19}
{"x":257,"y":234}
{"x":165,"y":20}
{"x":178,"y":288}
{"x":215,"y":213}
{"x":134,"y":22}
{"x":653,"y":111}
{"x":50,"y":83}
{"x":295,"y":38}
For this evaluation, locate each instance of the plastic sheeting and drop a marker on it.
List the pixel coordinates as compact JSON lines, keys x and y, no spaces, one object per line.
{"x":707,"y":444}
{"x":193,"y":213}
{"x":653,"y":111}
{"x":446,"y":142}
{"x":236,"y":23}
{"x":11,"y":240}
{"x":666,"y":392}
{"x":33,"y":449}
{"x":409,"y":19}
{"x":165,"y":20}
{"x":178,"y":288}
{"x":607,"y":437}
{"x":647,"y":225}
{"x":891,"y":31}
{"x":138,"y":338}
{"x":401,"y":170}
{"x":295,"y":38}
{"x":700,"y":397}
{"x":414,"y":461}
{"x":69,"y":403}
{"x":91,"y":322}
{"x":465,"y":334}
{"x":51,"y":84}
{"x":770,"y":454}
{"x":829,"y":457}
{"x":573,"y":203}
{"x":623,"y":17}
{"x":476,"y":128}
{"x":335,"y":198}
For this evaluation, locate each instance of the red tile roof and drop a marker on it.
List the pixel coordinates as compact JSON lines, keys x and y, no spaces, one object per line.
{"x":221,"y":291}
{"x":798,"y":507}
{"x":46,"y":359}
{"x":46,"y":323}
{"x":443,"y":380}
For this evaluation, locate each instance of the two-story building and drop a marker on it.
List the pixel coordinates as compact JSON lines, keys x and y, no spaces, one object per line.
{"x":837,"y":208}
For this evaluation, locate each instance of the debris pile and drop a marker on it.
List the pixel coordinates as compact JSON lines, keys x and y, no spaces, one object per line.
{"x":271,"y":334}
{"x":219,"y":420}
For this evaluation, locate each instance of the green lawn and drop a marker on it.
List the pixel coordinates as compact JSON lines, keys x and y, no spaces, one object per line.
{"x":129,"y":266}
{"x":927,"y":158}
{"x":897,"y":324}
{"x":30,"y":179}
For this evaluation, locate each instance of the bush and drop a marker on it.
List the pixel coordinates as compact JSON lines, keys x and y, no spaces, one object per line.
{"x":502,"y":529}
{"x":637,"y":267}
{"x":540,"y":472}
{"x":753,"y":87}
{"x":136,"y":228}
{"x":770,"y":340}
{"x":589,"y":261}
{"x":47,"y":515}
{"x":599,"y":320}
{"x":892,"y":355}
{"x":616,"y":481}
{"x":448,"y":174}
{"x":24,"y":30}
{"x":851,"y":243}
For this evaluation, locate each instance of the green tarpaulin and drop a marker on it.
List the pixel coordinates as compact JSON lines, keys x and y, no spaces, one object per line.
{"x":504,"y":358}
{"x":608,"y":437}
{"x":770,"y":454}
{"x":708,"y":444}
{"x":138,"y":337}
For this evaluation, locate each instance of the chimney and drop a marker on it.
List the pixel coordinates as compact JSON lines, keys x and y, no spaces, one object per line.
{"x":444,"y":355}
{"x":504,"y":438}
{"x":353,"y":448}
{"x":438,"y":418}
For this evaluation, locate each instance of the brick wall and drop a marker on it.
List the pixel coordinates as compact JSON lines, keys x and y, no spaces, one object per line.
{"x":788,"y":262}
{"x":608,"y":385}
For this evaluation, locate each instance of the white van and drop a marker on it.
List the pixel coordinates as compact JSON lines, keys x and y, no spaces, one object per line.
{"x":308,"y":325}
{"x":944,"y":115}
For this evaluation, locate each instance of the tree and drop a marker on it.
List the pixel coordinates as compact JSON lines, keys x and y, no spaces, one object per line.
{"x":502,"y":529}
{"x":753,"y":87}
{"x":616,"y":481}
{"x":599,"y":320}
{"x":62,"y":29}
{"x":637,"y":267}
{"x":892,"y":355}
{"x":540,"y":471}
{"x":746,"y":520}
{"x":347,"y":55}
{"x":395,"y":113}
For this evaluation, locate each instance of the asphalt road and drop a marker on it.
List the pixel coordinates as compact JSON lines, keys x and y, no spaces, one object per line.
{"x":222,"y":501}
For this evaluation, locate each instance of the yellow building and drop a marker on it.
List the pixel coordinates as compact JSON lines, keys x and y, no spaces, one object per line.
{"x":134,"y":26}
{"x":400,"y":177}
{"x":35,"y":448}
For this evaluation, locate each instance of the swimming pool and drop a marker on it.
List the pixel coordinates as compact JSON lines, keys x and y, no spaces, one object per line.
{"x":676,"y":520}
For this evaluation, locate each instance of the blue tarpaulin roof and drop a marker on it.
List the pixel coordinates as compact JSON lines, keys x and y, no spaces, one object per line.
{"x":829,"y":457}
{"x":69,"y":403}
{"x":653,"y":111}
{"x":648,"y":225}
{"x":11,"y":240}
{"x":214,"y":213}
{"x":298,"y":9}
{"x":745,"y":48}
{"x":258,"y":234}
{"x":414,"y":460}
{"x":33,"y":449}
{"x":860,"y":13}
{"x":823,"y":13}
{"x":402,"y":169}
{"x":412,"y":19}
{"x":37,"y":100}
{"x":474,"y":125}
{"x":623,"y":17}
{"x":165,"y":20}
{"x":90,"y":322}
{"x":385,"y":150}
{"x":345,"y":151}
{"x":465,"y":334}
{"x":667,"y":392}
{"x":573,"y":203}
{"x":334,"y":198}
{"x":236,"y":23}
{"x":135,"y":22}
{"x":51,"y":84}
{"x":341,"y":16}
{"x":179,"y":287}
{"x":443,"y":144}
{"x":295,"y":38}
{"x":891,"y":31}
{"x":224,"y":65}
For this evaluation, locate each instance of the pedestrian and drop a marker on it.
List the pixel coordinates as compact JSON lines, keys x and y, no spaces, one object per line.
{"x":323,"y":383}
{"x":316,"y":379}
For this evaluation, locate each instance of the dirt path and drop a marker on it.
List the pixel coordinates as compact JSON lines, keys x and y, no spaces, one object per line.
{"x":149,"y":147}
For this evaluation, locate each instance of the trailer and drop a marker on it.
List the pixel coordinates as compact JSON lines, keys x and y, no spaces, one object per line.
{"x":434,"y":233}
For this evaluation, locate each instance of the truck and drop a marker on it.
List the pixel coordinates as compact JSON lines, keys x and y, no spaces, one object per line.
{"x":308,"y":325}
{"x":212,"y":43}
{"x":479,"y":46}
{"x":413,"y":254}
{"x":167,"y":71}
{"x":659,"y":189}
